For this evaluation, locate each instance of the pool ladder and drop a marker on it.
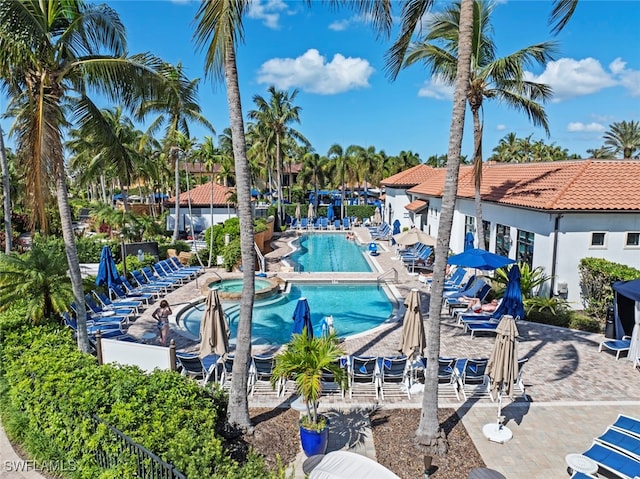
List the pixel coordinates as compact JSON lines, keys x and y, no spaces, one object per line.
{"x":384,"y":275}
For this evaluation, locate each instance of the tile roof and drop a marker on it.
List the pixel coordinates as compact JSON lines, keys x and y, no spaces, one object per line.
{"x":417,"y":205}
{"x":201,"y":195}
{"x":411,"y":177}
{"x":607,"y":185}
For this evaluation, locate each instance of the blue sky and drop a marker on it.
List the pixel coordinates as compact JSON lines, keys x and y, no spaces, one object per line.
{"x":336,"y":62}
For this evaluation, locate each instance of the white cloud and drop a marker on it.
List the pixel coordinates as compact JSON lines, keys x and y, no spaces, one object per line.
{"x":571,"y":78}
{"x":311,"y":72}
{"x":589,"y":127}
{"x":339,"y":25}
{"x":436,"y":88}
{"x":501,"y":127}
{"x":268,"y":11}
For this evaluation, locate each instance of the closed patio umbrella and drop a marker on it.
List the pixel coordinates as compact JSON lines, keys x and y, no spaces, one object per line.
{"x":107,"y":271}
{"x":214,"y":332}
{"x":302,"y":318}
{"x":377,"y":217}
{"x":330,"y":213}
{"x":512,"y":300}
{"x":413,"y":337}
{"x":396,"y":227}
{"x":468,"y":241}
{"x":297,"y":213}
{"x":311,"y":212}
{"x":502,"y":370}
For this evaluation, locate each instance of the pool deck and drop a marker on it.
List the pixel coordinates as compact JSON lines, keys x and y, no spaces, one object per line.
{"x":574,"y":391}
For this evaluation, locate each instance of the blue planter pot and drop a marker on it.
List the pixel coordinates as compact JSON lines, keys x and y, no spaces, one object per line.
{"x":314,"y":442}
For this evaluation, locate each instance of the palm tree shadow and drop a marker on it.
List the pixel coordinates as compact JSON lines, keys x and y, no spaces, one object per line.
{"x":516,"y":411}
{"x":347,"y":429}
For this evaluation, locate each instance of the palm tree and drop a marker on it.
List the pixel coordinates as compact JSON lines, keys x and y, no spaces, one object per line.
{"x":313,"y":171}
{"x":38,"y":277}
{"x":176,"y":108}
{"x":600,"y":153}
{"x":274,"y":116}
{"x":491,"y":77}
{"x":64,"y":49}
{"x":340,"y":162}
{"x":623,"y":137}
{"x":7,"y":195}
{"x":220,"y":25}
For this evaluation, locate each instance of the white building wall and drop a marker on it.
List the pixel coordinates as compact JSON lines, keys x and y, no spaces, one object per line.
{"x":201,"y":217}
{"x":398,"y":198}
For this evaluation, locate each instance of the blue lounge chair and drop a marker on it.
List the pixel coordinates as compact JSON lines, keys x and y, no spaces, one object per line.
{"x":363,"y":375}
{"x":304,"y":223}
{"x":261,"y":373}
{"x":617,"y":345}
{"x":143,"y":282}
{"x":175,"y":263}
{"x":489,"y":326}
{"x":194,"y":367}
{"x":97,"y":311}
{"x":394,"y":375}
{"x":471,"y":373}
{"x":477,"y":288}
{"x":336,"y":224}
{"x":346,"y":224}
{"x":621,"y":441}
{"x":627,"y":424}
{"x":119,"y":292}
{"x":152,"y":277}
{"x":613,"y":461}
{"x":107,"y":303}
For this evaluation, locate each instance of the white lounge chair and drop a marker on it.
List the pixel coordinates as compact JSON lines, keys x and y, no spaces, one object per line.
{"x":617,"y":345}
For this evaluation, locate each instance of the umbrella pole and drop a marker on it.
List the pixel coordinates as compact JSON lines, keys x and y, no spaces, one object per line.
{"x":496,"y":432}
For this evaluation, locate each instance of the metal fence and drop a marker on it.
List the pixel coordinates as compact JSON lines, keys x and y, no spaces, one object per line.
{"x":125,"y":449}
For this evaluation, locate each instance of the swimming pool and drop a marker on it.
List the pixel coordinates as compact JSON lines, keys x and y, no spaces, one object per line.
{"x":328,"y":252}
{"x":355,"y":307}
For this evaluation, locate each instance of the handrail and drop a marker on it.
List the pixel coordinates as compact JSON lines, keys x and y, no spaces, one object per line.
{"x":220,"y":277}
{"x":263,"y":266}
{"x":381,"y":277}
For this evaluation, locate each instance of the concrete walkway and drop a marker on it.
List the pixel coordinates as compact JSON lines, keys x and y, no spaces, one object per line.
{"x":575,"y":391}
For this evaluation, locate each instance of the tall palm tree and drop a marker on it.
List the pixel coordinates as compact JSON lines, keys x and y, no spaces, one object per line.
{"x":176,"y":108}
{"x":623,"y":137}
{"x":51,"y":54}
{"x":313,"y":172}
{"x":340,"y":162}
{"x":275,"y":115}
{"x":220,"y":26}
{"x":491,"y":77}
{"x":600,"y":153}
{"x":6,"y":195}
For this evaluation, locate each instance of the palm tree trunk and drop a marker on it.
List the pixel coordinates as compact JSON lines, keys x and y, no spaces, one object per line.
{"x":429,"y":432}
{"x":279,"y":183}
{"x":7,"y":196}
{"x":176,"y":226}
{"x":72,"y":260}
{"x":211,"y":225}
{"x":238,"y":411}
{"x":477,"y":166}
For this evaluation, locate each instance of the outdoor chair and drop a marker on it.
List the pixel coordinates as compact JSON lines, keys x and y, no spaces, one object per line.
{"x":461,"y":302}
{"x":97,"y":311}
{"x":472,"y":377}
{"x":143,"y":282}
{"x":627,"y":424}
{"x":172,"y":268}
{"x":261,"y":373}
{"x":478,"y":287}
{"x":346,"y":224}
{"x":107,"y":303}
{"x":519,"y":381}
{"x":613,"y":461}
{"x":329,"y":383}
{"x":621,"y":441}
{"x":161,"y":273}
{"x":363,"y":376}
{"x":447,"y":377}
{"x":152,"y":278}
{"x":394,"y":376}
{"x":490,"y":326}
{"x":192,"y":366}
{"x":132,"y":290}
{"x":336,"y":224}
{"x":617,"y":345}
{"x":179,"y":266}
{"x":107,"y":330}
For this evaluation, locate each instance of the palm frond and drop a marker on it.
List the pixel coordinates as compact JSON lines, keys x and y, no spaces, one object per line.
{"x":562,"y":12}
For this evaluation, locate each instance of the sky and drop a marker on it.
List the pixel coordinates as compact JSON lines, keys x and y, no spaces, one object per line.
{"x":336,"y":62}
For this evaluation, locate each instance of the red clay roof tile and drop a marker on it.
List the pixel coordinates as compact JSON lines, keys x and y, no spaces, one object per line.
{"x":201,"y":195}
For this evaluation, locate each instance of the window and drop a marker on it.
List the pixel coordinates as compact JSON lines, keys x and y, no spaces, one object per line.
{"x":633,"y":239}
{"x":524,"y":250}
{"x":597,"y":239}
{"x":469,"y":225}
{"x":503,"y":239}
{"x":486,"y":225}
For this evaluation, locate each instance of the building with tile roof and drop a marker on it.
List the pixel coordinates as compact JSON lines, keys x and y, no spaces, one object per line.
{"x":549,"y":214}
{"x":200,"y":217}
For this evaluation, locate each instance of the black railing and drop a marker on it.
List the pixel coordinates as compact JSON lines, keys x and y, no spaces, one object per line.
{"x":124,"y":449}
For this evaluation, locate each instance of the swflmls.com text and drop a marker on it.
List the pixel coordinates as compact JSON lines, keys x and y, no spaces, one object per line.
{"x":43,"y":466}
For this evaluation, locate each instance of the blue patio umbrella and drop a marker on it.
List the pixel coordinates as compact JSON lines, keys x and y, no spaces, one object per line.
{"x":107,"y":271}
{"x":330,"y":213}
{"x":302,"y":318}
{"x":512,"y":300}
{"x":468,"y":241}
{"x":480,"y":259}
{"x":396,"y":227}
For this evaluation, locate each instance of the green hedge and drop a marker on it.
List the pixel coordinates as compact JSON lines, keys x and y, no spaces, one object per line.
{"x":596,"y":276}
{"x":48,"y":391}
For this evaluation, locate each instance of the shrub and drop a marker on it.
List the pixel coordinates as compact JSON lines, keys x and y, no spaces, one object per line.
{"x":596,"y":276}
{"x":547,"y":317}
{"x":49,"y":390}
{"x":585,"y":323}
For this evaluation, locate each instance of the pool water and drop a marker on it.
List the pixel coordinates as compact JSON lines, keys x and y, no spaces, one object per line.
{"x":329,"y":252}
{"x":355,"y":308}
{"x":236,"y":285}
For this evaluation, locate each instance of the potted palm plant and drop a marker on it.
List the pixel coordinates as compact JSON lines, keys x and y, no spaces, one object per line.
{"x":305,"y":360}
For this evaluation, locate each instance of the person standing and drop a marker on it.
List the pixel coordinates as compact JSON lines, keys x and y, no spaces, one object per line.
{"x":161,"y":315}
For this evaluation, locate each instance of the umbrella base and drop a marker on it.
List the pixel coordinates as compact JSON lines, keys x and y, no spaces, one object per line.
{"x":497,"y":432}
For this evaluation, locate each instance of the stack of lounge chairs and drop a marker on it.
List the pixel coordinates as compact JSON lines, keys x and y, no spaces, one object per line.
{"x":382,"y":232}
{"x":616,"y":451}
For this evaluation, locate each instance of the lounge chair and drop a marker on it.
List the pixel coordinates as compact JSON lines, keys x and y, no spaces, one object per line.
{"x":177,"y":265}
{"x":261,"y":374}
{"x":519,"y":381}
{"x":157,"y":292}
{"x":152,"y":277}
{"x":617,"y":345}
{"x":346,"y":224}
{"x":336,"y":224}
{"x":394,"y":376}
{"x":107,"y":303}
{"x":144,"y":282}
{"x":475,"y":290}
{"x":461,"y":302}
{"x":329,"y":383}
{"x":621,"y":441}
{"x":446,"y":374}
{"x":163,"y":272}
{"x":613,"y":461}
{"x":489,"y":326}
{"x":472,"y":377}
{"x":125,"y":314}
{"x":363,"y":375}
{"x":193,"y":367}
{"x":119,"y":293}
{"x":581,"y":475}
{"x":627,"y":424}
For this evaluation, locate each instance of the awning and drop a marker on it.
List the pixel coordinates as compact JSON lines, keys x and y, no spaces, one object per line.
{"x":417,"y":206}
